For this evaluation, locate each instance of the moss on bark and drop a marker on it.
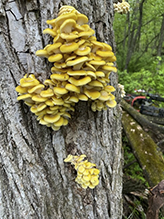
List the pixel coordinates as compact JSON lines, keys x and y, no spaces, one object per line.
{"x":145,"y":150}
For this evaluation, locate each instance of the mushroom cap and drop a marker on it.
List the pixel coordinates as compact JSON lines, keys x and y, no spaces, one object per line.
{"x":69,"y":47}
{"x":86,"y":34}
{"x":103,"y":80}
{"x":40,"y":114}
{"x":28,"y":82}
{"x":70,"y":58}
{"x":99,"y":74}
{"x":79,"y":28}
{"x":73,"y":88}
{"x":81,"y":41}
{"x":43,"y":122}
{"x":55,"y":58}
{"x":36,"y":89}
{"x":111,"y":103}
{"x":96,"y":45}
{"x":60,"y":77}
{"x":48,"y":82}
{"x":38,"y":98}
{"x":55,"y":108}
{"x":51,"y":118}
{"x":49,"y":111}
{"x":91,"y":74}
{"x":93,"y":56}
{"x":58,"y":39}
{"x":95,"y":83}
{"x":59,"y":122}
{"x":24,"y":97}
{"x":89,"y":67}
{"x":70,"y":36}
{"x":37,"y":108}
{"x":60,"y":90}
{"x":53,"y":47}
{"x":55,"y":128}
{"x":99,"y":105}
{"x":21,"y":89}
{"x":29,"y":102}
{"x":76,"y":73}
{"x":92,"y":94}
{"x":57,"y":101}
{"x":65,"y":122}
{"x":41,"y":53}
{"x":104,"y":95}
{"x":82,"y":51}
{"x":50,"y":31}
{"x":77,"y":61}
{"x":60,"y":20}
{"x":112,"y":59}
{"x":74,"y":99}
{"x":49,"y":102}
{"x":66,"y":114}
{"x":59,"y":66}
{"x":109,"y":68}
{"x":104,"y":54}
{"x":82,"y":97}
{"x":66,"y":9}
{"x":47,"y":93}
{"x":109,"y":88}
{"x":67,"y":26}
{"x":93,"y":107}
{"x":79,"y":82}
{"x":81,"y":19}
{"x":97,"y":62}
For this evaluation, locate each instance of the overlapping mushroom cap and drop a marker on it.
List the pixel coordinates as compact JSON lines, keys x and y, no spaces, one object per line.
{"x":87,"y":173}
{"x":81,"y":71}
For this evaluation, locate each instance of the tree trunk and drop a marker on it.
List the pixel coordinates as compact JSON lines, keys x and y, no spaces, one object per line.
{"x":34,"y":180}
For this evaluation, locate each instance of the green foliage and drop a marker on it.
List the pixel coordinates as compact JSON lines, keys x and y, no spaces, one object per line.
{"x":150,"y":81}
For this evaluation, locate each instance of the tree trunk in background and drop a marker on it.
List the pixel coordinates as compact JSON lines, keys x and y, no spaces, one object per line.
{"x":34,"y":180}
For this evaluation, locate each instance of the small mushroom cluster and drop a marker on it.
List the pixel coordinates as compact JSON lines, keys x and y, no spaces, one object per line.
{"x":122,"y":8}
{"x":122,"y":91}
{"x":81,"y":68}
{"x":87,"y":174}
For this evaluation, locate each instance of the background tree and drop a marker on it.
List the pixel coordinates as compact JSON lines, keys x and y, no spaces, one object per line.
{"x":34,"y":180}
{"x":139,"y":35}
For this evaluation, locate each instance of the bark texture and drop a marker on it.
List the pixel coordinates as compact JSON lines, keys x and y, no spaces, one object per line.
{"x":34,"y":180}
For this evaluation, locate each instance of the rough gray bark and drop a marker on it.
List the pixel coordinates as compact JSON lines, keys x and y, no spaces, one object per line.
{"x":34,"y":180}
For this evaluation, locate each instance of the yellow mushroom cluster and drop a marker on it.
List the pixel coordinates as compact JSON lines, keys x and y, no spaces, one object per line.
{"x":50,"y":110}
{"x":87,"y":174}
{"x":122,"y":8}
{"x":81,"y":69}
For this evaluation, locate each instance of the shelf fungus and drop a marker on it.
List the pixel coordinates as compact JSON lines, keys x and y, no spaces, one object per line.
{"x":80,"y":72}
{"x":122,"y":7}
{"x":87,"y":173}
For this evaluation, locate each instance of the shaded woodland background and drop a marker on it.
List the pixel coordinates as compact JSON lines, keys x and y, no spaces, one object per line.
{"x":139,"y":37}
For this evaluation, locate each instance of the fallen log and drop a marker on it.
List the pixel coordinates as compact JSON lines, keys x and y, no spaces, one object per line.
{"x":154,"y":130}
{"x":144,"y":149}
